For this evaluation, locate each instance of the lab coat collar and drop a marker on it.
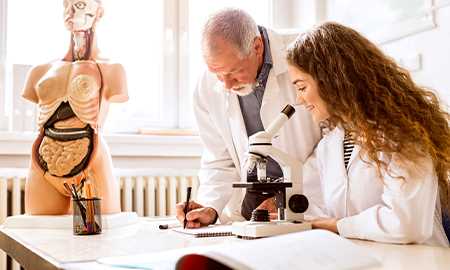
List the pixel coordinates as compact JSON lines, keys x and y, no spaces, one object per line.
{"x":278,"y":51}
{"x":339,"y":133}
{"x":237,"y":126}
{"x":271,"y":105}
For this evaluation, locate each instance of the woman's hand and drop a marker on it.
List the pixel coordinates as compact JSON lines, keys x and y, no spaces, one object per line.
{"x":329,"y":224}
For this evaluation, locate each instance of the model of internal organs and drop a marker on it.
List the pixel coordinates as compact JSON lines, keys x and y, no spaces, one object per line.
{"x":73,"y":96}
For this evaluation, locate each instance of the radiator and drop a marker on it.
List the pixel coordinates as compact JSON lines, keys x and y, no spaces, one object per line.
{"x":148,"y":192}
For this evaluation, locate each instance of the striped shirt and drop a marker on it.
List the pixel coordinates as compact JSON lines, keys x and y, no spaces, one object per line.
{"x":349,"y":144}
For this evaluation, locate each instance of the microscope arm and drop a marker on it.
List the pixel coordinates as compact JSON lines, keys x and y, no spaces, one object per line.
{"x":284,"y":159}
{"x":260,"y":143}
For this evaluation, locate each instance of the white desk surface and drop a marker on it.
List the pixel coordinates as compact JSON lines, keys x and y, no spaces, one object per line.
{"x":60,"y":249}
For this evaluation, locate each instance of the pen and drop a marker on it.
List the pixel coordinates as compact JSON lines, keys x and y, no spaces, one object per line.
{"x":169,"y":226}
{"x":186,"y":206}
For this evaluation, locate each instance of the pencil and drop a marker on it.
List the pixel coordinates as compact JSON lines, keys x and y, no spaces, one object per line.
{"x":90,"y":208}
{"x":186,"y":205}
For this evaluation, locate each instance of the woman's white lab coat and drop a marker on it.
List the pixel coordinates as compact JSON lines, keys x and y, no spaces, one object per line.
{"x":385,"y":210}
{"x":222,"y":130}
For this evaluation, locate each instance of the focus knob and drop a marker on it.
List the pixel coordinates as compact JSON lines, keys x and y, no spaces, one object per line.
{"x":298,"y":203}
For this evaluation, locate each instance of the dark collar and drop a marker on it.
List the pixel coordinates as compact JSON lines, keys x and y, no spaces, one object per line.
{"x":263,"y":74}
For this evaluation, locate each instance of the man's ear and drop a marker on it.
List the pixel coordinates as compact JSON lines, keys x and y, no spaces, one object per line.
{"x":258,"y":46}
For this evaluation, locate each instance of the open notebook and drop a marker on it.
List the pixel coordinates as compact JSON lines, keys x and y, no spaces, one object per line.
{"x":315,"y":249}
{"x":210,"y":231}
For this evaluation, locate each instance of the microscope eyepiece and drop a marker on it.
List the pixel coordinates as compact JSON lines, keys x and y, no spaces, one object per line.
{"x":288,"y":111}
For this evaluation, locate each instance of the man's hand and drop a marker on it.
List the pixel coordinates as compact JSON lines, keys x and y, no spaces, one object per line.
{"x":197,"y":215}
{"x":270,"y":205}
{"x":329,"y":224}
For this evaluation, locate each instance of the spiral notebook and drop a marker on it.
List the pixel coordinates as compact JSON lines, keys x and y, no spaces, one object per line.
{"x":209,"y":231}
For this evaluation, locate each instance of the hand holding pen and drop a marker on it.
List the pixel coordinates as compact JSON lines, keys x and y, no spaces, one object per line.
{"x":195,"y":215}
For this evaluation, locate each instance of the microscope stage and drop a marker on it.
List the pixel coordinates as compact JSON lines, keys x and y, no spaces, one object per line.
{"x":252,"y":229}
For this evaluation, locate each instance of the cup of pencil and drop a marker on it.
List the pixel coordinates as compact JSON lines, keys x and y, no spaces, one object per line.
{"x":87,"y":219}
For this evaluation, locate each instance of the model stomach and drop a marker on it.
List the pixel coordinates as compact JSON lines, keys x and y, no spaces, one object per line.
{"x":66,"y":145}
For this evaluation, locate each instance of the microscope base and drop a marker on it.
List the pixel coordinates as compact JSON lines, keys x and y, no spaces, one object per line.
{"x":252,"y":229}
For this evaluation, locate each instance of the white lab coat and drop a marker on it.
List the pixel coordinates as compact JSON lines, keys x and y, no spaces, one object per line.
{"x":222,"y":131}
{"x":385,"y":210}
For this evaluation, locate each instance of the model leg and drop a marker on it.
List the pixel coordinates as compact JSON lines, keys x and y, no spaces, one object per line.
{"x":105,"y":184}
{"x":41,"y":198}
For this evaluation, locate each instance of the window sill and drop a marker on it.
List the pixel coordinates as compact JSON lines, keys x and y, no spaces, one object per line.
{"x":125,"y":145}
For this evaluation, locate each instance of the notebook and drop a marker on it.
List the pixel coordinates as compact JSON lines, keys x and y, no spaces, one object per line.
{"x":209,"y":231}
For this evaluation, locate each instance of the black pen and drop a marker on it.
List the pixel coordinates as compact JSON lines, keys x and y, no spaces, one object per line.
{"x":169,"y":226}
{"x":186,"y":206}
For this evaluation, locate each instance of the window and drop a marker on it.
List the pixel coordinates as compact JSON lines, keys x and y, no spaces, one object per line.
{"x":157,"y":41}
{"x":385,"y":20}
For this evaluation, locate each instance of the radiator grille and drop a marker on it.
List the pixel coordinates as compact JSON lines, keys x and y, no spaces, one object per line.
{"x":148,"y":192}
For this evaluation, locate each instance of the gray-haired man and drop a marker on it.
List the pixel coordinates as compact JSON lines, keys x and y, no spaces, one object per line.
{"x":245,"y":87}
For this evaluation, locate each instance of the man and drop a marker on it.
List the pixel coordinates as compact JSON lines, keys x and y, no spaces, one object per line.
{"x":246,"y":87}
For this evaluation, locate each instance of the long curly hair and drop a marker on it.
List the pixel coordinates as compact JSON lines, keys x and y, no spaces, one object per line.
{"x":375,"y":99}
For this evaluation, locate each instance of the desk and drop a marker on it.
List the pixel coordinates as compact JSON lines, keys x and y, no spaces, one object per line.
{"x":59,"y":249}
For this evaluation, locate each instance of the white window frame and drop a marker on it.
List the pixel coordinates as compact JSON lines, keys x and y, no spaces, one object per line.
{"x":184,"y":93}
{"x":3,"y":26}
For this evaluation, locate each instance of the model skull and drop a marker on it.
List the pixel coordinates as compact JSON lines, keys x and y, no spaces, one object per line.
{"x":80,"y":15}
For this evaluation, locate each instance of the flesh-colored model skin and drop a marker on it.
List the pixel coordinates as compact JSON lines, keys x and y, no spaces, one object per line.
{"x":88,"y":84}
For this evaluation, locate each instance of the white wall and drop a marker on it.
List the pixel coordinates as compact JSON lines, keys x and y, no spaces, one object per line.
{"x":434,"y":48}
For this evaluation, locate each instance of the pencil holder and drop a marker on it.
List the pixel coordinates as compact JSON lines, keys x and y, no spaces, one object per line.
{"x":87,"y":218}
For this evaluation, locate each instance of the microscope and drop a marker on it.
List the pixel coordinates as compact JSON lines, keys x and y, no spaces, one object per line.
{"x":291,"y":204}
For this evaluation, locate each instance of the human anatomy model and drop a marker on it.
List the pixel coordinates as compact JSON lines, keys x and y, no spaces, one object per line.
{"x":73,"y":96}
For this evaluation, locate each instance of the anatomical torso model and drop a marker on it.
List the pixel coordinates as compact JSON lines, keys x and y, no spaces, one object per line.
{"x":73,"y":96}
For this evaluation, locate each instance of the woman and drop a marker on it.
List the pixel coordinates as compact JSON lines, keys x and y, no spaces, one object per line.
{"x":386,"y":156}
{"x":73,"y":96}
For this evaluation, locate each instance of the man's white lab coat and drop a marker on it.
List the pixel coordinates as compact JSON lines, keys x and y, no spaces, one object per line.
{"x":222,"y":130}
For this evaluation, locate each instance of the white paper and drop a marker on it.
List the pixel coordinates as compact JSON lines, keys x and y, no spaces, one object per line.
{"x":315,"y":249}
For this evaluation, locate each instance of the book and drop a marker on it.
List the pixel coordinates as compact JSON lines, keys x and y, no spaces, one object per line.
{"x":314,"y":249}
{"x":209,"y":231}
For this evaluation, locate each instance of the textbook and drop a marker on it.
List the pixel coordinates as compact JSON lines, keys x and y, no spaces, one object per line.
{"x":314,"y":249}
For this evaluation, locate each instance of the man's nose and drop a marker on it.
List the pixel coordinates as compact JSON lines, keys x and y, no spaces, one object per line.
{"x":228,"y":82}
